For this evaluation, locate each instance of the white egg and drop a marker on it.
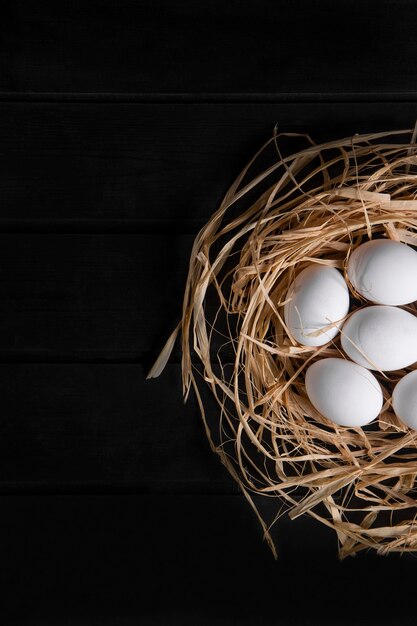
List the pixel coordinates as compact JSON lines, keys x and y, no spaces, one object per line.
{"x":381,"y":338}
{"x":384,"y":271}
{"x":404,"y":399}
{"x":344,"y":392}
{"x":318,"y":298}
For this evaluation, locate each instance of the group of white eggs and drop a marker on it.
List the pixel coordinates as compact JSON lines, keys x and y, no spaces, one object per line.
{"x":380,"y":337}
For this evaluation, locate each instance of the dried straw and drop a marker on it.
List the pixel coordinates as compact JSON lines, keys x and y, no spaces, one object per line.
{"x":313,"y":206}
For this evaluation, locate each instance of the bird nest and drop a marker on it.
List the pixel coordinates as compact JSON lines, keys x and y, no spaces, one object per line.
{"x":283,"y":213}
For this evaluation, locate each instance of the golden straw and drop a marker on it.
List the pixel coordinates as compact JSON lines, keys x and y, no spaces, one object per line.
{"x":313,"y":206}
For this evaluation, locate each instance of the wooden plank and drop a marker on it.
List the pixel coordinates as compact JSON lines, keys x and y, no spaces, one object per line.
{"x":177,"y":46}
{"x":67,"y":167}
{"x":183,"y":560}
{"x":103,"y":428}
{"x":90,"y":297}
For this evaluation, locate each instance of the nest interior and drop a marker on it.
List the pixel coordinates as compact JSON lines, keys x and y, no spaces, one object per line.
{"x":314,"y":205}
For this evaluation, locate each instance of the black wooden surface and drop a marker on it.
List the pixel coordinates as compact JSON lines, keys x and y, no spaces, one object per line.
{"x":209,"y":47}
{"x":122,"y":125}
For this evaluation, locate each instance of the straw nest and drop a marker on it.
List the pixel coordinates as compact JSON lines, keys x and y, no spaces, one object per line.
{"x":281,"y":214}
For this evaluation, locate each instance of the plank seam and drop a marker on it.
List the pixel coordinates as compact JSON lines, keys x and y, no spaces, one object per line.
{"x":208,"y":98}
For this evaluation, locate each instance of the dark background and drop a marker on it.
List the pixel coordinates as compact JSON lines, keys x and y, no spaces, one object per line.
{"x":122,"y":125}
